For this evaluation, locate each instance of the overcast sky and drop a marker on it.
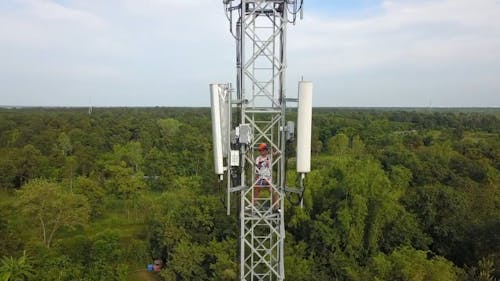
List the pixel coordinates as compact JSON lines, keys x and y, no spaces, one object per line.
{"x":414,"y":53}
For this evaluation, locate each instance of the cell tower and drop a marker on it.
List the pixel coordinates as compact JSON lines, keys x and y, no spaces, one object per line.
{"x":252,"y":114}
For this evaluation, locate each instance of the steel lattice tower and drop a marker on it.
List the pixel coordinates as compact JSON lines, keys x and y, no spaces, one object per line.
{"x":258,"y":111}
{"x":261,"y":65}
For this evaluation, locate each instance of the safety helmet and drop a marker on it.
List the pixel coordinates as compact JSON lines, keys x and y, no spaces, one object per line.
{"x":262,"y":147}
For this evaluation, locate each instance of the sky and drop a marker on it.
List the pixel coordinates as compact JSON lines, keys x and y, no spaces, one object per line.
{"x":358,"y":53}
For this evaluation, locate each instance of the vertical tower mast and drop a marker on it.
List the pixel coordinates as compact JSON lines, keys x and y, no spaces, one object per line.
{"x":262,"y":29}
{"x":258,"y":112}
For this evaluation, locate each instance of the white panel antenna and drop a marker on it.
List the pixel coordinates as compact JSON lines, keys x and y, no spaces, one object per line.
{"x":216,"y":91}
{"x":304,"y":124}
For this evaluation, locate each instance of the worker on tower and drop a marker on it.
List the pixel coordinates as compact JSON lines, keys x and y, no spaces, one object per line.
{"x":263,"y":175}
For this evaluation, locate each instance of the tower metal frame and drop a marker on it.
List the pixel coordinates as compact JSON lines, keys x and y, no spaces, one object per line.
{"x":260,"y":30}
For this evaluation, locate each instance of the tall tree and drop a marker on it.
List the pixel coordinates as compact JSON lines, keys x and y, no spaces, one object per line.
{"x":47,"y":205}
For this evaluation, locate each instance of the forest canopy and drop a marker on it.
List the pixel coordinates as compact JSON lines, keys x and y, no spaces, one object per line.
{"x":396,"y":194}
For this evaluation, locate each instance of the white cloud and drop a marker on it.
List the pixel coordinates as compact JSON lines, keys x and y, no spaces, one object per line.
{"x":121,"y":52}
{"x":52,"y":11}
{"x":408,"y":51}
{"x":165,"y":52}
{"x":405,"y":32}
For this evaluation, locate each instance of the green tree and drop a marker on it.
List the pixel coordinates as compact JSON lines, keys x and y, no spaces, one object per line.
{"x":8,"y":168}
{"x":63,"y":144}
{"x":442,"y":212}
{"x":12,"y":269}
{"x":355,"y":213}
{"x":224,"y":268}
{"x":187,"y":260}
{"x":69,"y":169}
{"x":47,"y":205}
{"x":94,"y":192}
{"x":338,"y":144}
{"x":105,"y":256}
{"x":29,"y":163}
{"x":297,"y":266}
{"x":121,"y":171}
{"x":169,"y":127}
{"x":409,"y":264}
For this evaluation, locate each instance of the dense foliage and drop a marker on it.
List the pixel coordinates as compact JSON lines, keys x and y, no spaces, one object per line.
{"x":393,"y":195}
